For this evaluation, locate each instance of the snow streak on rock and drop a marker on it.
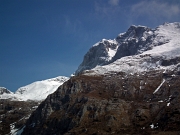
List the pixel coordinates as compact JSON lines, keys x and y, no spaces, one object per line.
{"x":159,"y":86}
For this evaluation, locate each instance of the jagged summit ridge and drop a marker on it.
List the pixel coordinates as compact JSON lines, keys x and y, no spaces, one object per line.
{"x":138,"y":40}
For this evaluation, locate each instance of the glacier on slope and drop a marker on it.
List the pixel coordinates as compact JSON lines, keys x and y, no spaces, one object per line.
{"x":38,"y":90}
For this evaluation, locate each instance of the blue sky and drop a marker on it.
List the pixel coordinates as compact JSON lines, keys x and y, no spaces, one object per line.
{"x":41,"y":39}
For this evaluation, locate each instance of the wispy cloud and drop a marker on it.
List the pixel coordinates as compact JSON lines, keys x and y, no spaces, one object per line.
{"x":73,"y":25}
{"x":107,"y":9}
{"x":155,"y":9}
{"x":114,"y":2}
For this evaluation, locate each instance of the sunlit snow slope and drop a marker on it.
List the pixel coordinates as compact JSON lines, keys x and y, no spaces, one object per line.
{"x":37,"y":90}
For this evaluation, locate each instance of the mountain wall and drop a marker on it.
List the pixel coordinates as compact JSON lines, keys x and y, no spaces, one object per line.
{"x":129,"y":85}
{"x":13,"y":115}
{"x":111,"y":104}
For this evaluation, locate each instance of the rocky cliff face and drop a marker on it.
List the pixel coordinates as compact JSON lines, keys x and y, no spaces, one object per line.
{"x":115,"y":103}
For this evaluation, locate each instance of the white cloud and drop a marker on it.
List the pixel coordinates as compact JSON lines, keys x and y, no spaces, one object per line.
{"x":72,"y":25}
{"x":155,"y":9}
{"x":114,"y":2}
{"x":107,"y":9}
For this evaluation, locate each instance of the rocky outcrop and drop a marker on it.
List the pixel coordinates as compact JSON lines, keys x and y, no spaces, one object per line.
{"x":136,"y":40}
{"x":100,"y":54}
{"x":114,"y":103}
{"x":4,"y":90}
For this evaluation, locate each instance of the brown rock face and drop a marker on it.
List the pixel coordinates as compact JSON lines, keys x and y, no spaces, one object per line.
{"x":116,"y":103}
{"x":13,"y":114}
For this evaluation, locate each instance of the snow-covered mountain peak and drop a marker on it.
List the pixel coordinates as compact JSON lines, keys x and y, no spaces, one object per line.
{"x":41,"y":89}
{"x":140,"y":45}
{"x":38,"y":90}
{"x":136,"y":40}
